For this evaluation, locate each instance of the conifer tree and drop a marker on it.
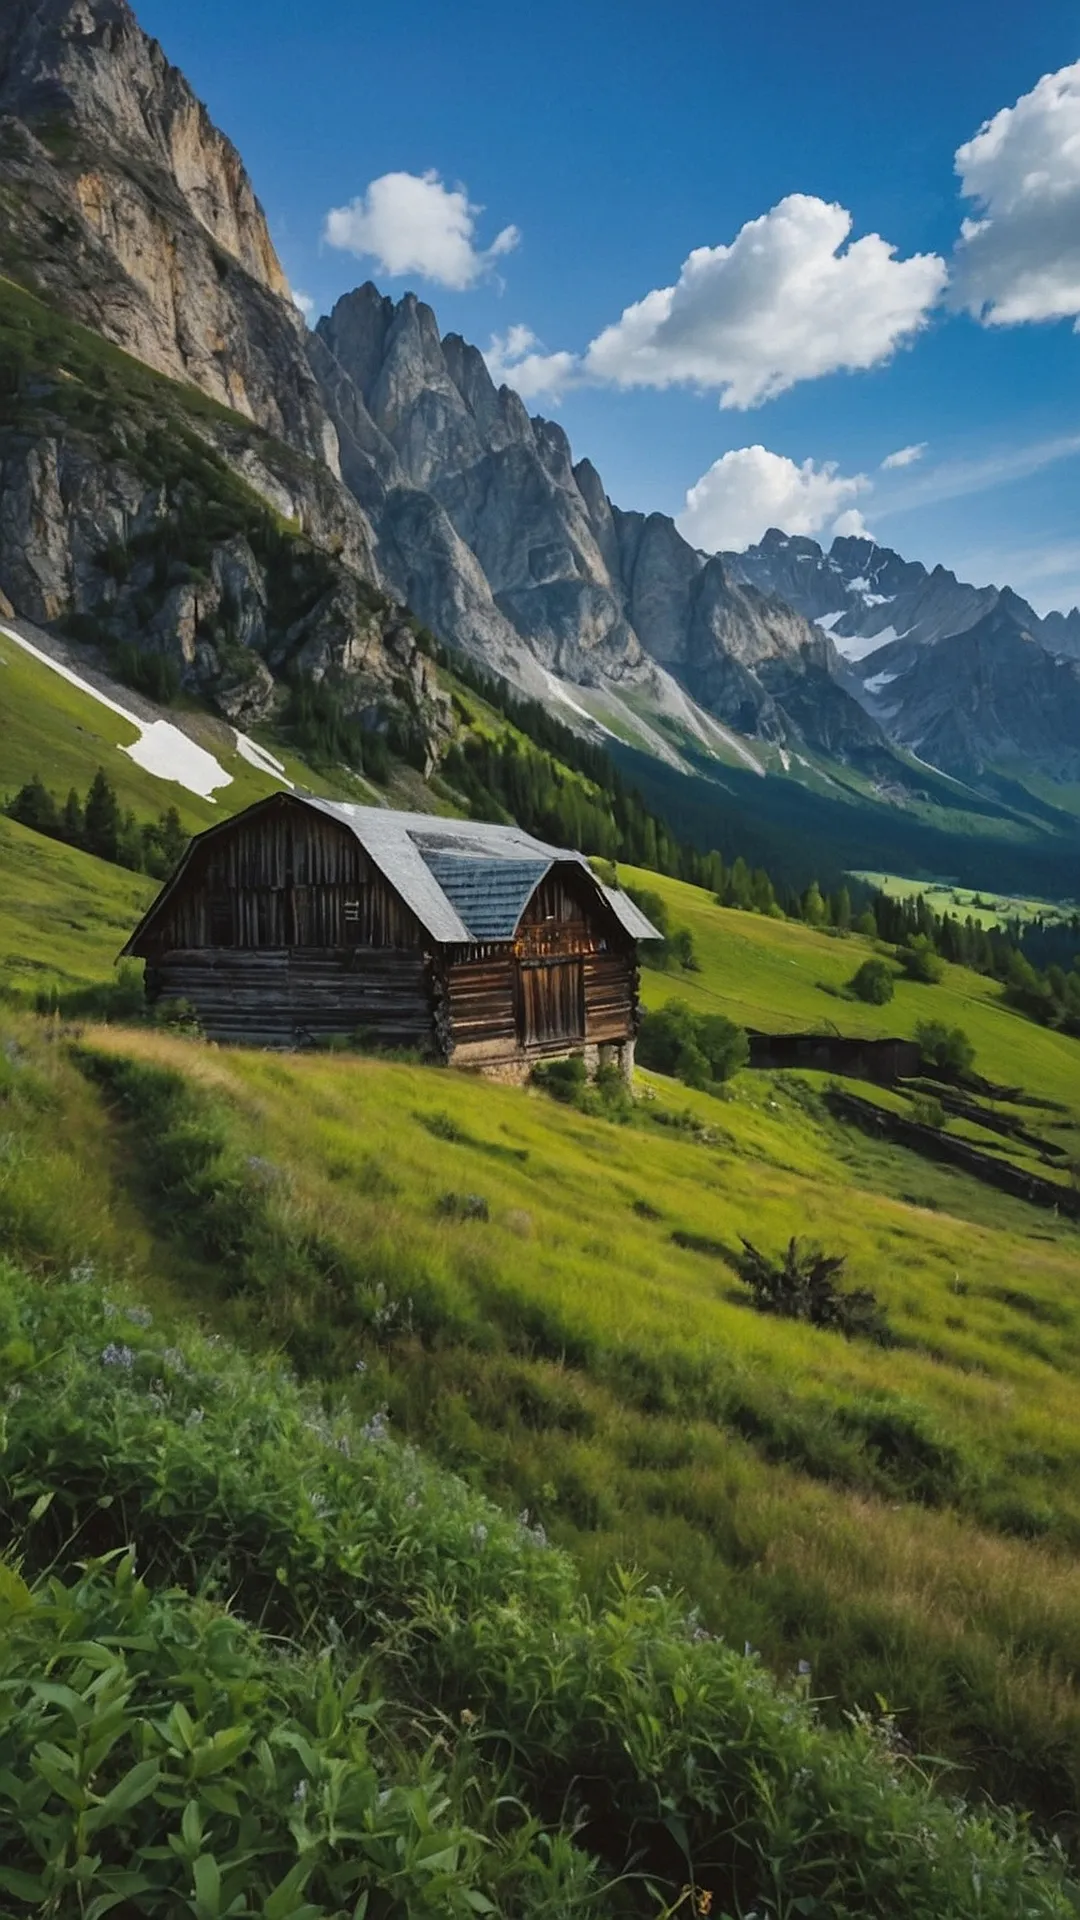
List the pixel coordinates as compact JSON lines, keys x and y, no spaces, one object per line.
{"x":103,"y":821}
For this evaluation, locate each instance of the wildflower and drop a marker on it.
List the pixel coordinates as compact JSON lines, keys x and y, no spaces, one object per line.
{"x":117,"y":1356}
{"x":300,"y":1792}
{"x":468,"y":1717}
{"x":173,"y":1357}
{"x":410,"y":1499}
{"x":703,"y":1902}
{"x":360,"y":1367}
{"x":195,"y":1417}
{"x":83,"y":1273}
{"x":804,"y":1669}
{"x":376,"y":1428}
{"x":479,"y":1534}
{"x":139,"y":1316}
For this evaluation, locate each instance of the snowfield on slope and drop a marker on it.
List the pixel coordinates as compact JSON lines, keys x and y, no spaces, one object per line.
{"x":161,"y":748}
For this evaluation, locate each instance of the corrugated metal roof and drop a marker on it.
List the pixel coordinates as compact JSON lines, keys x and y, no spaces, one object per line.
{"x":490,"y":895}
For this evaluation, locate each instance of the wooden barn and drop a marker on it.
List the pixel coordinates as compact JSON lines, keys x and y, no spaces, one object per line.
{"x":299,"y":919}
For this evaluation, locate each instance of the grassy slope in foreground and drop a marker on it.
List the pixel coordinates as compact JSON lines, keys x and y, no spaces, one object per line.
{"x":441,"y":1723}
{"x":904,"y":1520}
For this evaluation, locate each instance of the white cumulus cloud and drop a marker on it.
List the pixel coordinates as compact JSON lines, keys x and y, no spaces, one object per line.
{"x":851,"y":525}
{"x":750,"y":489}
{"x":904,"y":456}
{"x":792,"y":297}
{"x":1018,"y":257}
{"x":304,"y":301}
{"x":516,"y":359}
{"x":414,"y":223}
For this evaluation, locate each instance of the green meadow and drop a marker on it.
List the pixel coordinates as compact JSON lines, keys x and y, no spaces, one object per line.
{"x":549,"y":1303}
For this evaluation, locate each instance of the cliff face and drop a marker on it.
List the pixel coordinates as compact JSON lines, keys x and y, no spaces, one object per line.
{"x":126,"y":209}
{"x":606,"y":599}
{"x":125,"y":205}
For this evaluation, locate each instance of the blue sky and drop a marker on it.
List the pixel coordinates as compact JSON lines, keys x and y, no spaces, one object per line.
{"x":617,"y":139}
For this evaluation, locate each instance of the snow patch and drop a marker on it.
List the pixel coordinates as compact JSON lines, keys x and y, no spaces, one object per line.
{"x":161,"y":748}
{"x":829,"y":620}
{"x":260,"y":757}
{"x":879,"y":680}
{"x":561,"y":692}
{"x":877,"y":599}
{"x":856,"y":646}
{"x":860,"y":584}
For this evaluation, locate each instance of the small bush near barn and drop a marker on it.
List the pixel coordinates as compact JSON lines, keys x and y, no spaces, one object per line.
{"x":703,"y":1050}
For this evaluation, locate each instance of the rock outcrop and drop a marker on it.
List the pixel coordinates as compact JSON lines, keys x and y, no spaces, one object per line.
{"x":507,"y":547}
{"x":991,"y":697}
{"x":124,"y":204}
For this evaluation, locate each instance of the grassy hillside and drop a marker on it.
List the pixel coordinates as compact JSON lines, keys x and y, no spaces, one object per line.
{"x":784,"y":977}
{"x":429,"y":1718}
{"x":549,"y":1303}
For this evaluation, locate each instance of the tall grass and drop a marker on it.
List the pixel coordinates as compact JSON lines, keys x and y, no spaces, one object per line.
{"x":441,"y":1721}
{"x":901,"y":1520}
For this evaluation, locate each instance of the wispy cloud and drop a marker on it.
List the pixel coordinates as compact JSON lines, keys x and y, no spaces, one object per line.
{"x":904,"y":456}
{"x":954,"y":479}
{"x":1048,"y":576}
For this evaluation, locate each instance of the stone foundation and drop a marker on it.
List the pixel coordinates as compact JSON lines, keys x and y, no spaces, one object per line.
{"x":515,"y":1071}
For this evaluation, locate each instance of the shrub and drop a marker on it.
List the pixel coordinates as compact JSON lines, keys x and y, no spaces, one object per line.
{"x":927,"y":1111}
{"x":568,"y":1081}
{"x":873,"y":982}
{"x":946,"y":1048}
{"x":803,"y":1286}
{"x":920,"y":960}
{"x":702,"y":1050}
{"x":564,"y":1080}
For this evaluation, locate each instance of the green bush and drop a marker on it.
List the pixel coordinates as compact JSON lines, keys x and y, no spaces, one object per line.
{"x":804,"y":1286}
{"x":702,"y":1050}
{"x":947,"y":1049}
{"x":927,"y":1111}
{"x":873,"y":982}
{"x":920,"y":960}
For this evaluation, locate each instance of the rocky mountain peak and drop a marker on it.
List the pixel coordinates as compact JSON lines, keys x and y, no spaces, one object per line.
{"x":127,"y":208}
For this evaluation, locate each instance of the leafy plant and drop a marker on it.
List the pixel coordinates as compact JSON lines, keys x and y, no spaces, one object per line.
{"x":946,"y":1048}
{"x":920,"y":960}
{"x":804,"y":1286}
{"x":873,"y":982}
{"x":703,"y":1050}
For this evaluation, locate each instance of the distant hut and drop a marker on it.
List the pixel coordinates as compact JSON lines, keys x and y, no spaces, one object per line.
{"x":300,"y":919}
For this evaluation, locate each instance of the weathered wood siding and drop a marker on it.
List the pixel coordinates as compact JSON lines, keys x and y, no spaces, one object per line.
{"x":294,"y":997}
{"x":481,"y":1000}
{"x":569,"y":977}
{"x":280,"y":931}
{"x":285,"y":877}
{"x":611,"y":997}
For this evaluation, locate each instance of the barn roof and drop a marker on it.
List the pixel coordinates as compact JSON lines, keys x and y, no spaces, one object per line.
{"x":464,"y":880}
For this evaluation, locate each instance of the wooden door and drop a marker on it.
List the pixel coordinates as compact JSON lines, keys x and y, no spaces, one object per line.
{"x":552,"y":1002}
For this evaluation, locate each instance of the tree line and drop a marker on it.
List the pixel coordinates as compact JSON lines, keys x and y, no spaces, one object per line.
{"x":98,"y":824}
{"x":1050,"y":994}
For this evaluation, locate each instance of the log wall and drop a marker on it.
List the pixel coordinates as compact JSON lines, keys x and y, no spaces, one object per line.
{"x":293,"y":998}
